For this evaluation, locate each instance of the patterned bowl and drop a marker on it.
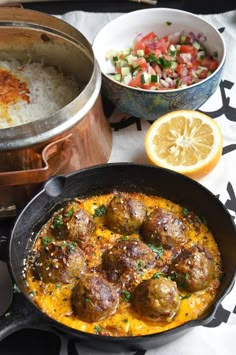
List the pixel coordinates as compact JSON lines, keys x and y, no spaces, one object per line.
{"x":150,"y":104}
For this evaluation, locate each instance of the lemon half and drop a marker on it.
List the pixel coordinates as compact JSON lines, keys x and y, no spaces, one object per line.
{"x":185,"y":141}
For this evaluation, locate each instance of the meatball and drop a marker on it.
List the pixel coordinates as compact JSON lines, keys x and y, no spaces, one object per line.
{"x":193,"y":269}
{"x":73,"y":223}
{"x":157,"y":299}
{"x":124,"y":214}
{"x":59,"y":262}
{"x":94,"y":298}
{"x":126,"y":256}
{"x":163,"y":227}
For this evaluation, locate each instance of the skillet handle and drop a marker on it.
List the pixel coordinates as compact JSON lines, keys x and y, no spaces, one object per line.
{"x":21,"y":314}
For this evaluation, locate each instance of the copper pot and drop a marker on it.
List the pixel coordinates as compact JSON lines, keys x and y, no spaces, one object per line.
{"x":74,"y":137}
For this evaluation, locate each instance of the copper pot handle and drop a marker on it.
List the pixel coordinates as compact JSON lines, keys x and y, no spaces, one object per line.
{"x":38,"y":175}
{"x":11,"y":4}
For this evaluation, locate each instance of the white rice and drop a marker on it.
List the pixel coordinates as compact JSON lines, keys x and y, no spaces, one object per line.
{"x":49,"y":91}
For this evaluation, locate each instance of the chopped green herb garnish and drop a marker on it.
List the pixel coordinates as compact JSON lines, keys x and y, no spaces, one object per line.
{"x":71,"y":246}
{"x":198,"y":220}
{"x":163,"y":62}
{"x":57,"y":286}
{"x":157,"y":275}
{"x":184,"y":211}
{"x":151,"y":58}
{"x":46,"y":240}
{"x":139,"y":265}
{"x":157,"y":250}
{"x":173,"y":276}
{"x":125,"y":320}
{"x":185,"y":297}
{"x":97,"y":329}
{"x":126,"y":295}
{"x":171,"y":53}
{"x":168,"y":23}
{"x":57,"y":222}
{"x":70,"y":212}
{"x":86,"y":300}
{"x":215,"y":54}
{"x":100,"y":211}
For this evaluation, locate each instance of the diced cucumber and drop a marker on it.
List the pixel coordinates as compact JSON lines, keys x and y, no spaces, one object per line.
{"x":112,"y":53}
{"x":121,"y":63}
{"x":196,"y":45}
{"x":182,"y":39}
{"x":154,"y":78}
{"x":173,"y":64}
{"x":200,"y":69}
{"x":177,"y":47}
{"x":131,"y":58}
{"x":145,"y":78}
{"x":126,"y":79}
{"x":201,"y":55}
{"x":125,"y":71}
{"x":140,"y":52}
{"x":126,"y":51}
{"x":172,"y":50}
{"x":117,"y":77}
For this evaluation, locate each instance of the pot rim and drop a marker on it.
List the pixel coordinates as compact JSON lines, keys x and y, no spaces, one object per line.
{"x":45,"y":129}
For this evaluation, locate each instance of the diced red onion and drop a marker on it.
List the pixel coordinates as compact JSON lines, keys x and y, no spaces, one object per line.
{"x":138,"y":37}
{"x":164,"y":83}
{"x":153,"y":45}
{"x":174,"y":38}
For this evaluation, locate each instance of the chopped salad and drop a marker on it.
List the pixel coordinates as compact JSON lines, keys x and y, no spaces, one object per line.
{"x":170,"y":62}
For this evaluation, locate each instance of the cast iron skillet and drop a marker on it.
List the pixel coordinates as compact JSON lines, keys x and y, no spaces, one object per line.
{"x":103,"y":179}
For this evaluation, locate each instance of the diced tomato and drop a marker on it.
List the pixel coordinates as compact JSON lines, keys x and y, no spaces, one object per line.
{"x":187,"y":40}
{"x":151,"y":36}
{"x":163,"y":44}
{"x":136,"y":81}
{"x":211,"y":64}
{"x":187,"y":48}
{"x":139,"y":46}
{"x":180,"y":68}
{"x":118,"y":70}
{"x":157,"y":69}
{"x":179,"y":60}
{"x":156,"y":52}
{"x":168,"y":71}
{"x":203,"y":74}
{"x":141,"y":62}
{"x":182,"y":62}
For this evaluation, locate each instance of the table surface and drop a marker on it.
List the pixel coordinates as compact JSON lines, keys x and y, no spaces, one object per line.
{"x":199,"y":6}
{"x":22,"y":342}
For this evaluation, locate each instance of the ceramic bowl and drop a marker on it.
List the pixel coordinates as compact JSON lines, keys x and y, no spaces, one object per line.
{"x":150,"y":104}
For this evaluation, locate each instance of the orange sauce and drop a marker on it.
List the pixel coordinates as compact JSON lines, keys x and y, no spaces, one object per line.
{"x":54,"y":299}
{"x":13,"y":90}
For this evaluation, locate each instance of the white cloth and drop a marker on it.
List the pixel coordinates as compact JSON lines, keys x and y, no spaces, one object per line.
{"x":128,"y":147}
